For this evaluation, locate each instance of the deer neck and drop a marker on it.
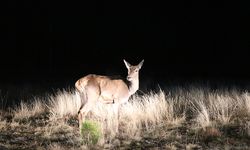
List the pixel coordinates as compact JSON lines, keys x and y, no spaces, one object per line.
{"x":134,"y":85}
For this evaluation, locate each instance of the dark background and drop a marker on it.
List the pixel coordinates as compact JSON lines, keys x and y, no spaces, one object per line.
{"x":54,"y":43}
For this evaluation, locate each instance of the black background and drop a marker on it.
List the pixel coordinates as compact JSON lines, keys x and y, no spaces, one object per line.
{"x":59,"y":42}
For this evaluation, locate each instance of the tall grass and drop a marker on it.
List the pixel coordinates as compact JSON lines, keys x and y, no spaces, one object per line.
{"x":143,"y":114}
{"x":64,"y":103}
{"x":140,"y":113}
{"x":150,"y":111}
{"x":246,"y":104}
{"x":29,"y":109}
{"x":213,"y":108}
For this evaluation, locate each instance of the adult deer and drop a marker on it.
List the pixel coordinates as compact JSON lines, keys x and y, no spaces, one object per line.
{"x":96,"y":88}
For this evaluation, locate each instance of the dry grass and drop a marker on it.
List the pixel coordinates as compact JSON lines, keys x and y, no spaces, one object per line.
{"x":141,"y":113}
{"x":149,"y":112}
{"x":246,"y":102}
{"x":56,"y":146}
{"x":3,"y":124}
{"x":172,"y":117}
{"x":64,"y":103}
{"x":27,"y":110}
{"x":216,"y":108}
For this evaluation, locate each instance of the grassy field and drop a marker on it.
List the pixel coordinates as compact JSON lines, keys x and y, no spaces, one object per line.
{"x":180,"y":118}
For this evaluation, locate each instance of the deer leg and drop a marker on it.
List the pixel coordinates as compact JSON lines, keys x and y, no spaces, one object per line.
{"x":83,"y":113}
{"x":117,"y":114}
{"x":92,"y":98}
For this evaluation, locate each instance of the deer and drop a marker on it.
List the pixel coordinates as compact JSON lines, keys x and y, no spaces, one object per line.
{"x":94,"y":88}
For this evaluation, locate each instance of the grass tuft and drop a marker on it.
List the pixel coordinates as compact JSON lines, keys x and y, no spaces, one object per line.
{"x":64,"y":103}
{"x":27,"y":110}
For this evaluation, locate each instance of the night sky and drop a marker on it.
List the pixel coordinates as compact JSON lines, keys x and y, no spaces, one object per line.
{"x":45,"y":41}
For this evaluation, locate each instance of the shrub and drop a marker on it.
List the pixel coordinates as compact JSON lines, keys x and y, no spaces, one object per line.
{"x":90,"y":132}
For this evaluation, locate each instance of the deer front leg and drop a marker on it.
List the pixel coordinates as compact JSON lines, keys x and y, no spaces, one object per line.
{"x":117,"y":114}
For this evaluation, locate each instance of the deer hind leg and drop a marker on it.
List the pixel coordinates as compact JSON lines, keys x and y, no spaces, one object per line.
{"x":92,"y":98}
{"x":83,"y":113}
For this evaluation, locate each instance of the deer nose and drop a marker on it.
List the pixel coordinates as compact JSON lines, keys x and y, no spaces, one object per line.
{"x":129,"y":78}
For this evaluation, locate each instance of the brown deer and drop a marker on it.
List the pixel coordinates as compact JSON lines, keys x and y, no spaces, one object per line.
{"x":96,"y":88}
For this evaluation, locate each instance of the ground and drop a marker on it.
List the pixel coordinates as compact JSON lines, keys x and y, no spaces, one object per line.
{"x":151,"y":124}
{"x":40,"y":133}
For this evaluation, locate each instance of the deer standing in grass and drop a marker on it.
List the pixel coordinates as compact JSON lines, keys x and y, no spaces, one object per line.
{"x":96,"y":88}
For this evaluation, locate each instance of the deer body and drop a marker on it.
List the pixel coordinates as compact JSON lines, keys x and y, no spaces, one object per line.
{"x":96,"y":88}
{"x":105,"y":87}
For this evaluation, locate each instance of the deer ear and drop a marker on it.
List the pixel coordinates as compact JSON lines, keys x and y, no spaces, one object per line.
{"x":140,"y":64}
{"x":127,"y":64}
